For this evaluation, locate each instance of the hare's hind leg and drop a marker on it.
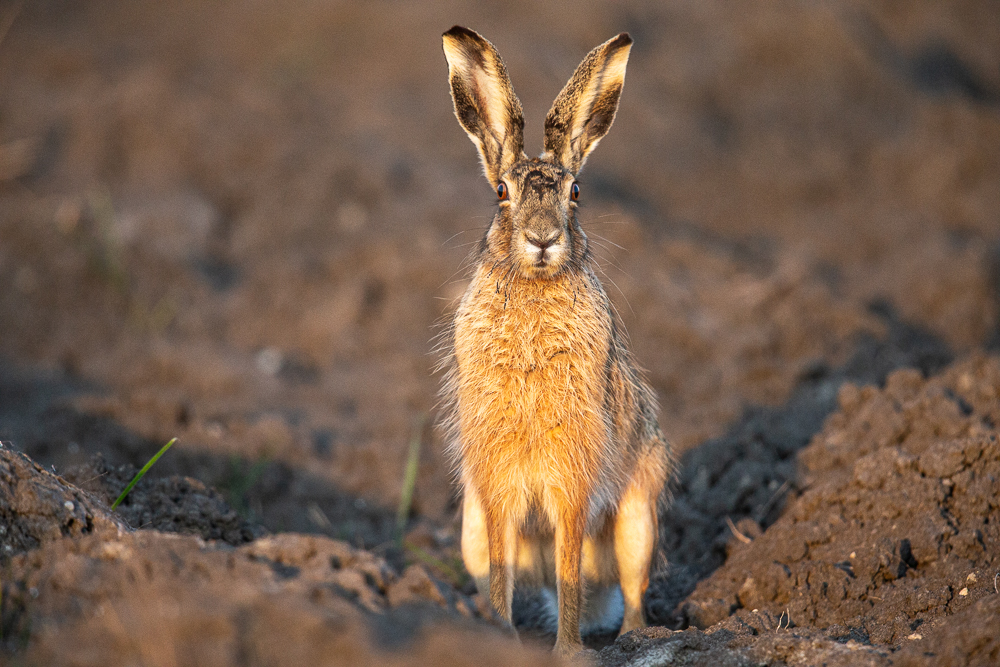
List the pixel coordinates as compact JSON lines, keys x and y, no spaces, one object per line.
{"x":635,"y":544}
{"x":475,"y":542}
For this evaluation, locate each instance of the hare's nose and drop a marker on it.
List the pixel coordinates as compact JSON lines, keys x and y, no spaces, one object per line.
{"x":541,"y":243}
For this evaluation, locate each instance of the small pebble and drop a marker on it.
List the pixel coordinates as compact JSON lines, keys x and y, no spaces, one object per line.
{"x":69,"y":505}
{"x":971,"y":578}
{"x":269,"y":361}
{"x":964,"y":591}
{"x":915,"y":635}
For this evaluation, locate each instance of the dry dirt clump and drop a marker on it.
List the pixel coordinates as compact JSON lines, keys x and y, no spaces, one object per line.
{"x":37,"y":507}
{"x":897,"y":534}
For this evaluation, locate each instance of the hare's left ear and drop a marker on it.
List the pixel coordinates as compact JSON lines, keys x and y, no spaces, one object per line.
{"x":485,"y":103}
{"x":583,"y":112}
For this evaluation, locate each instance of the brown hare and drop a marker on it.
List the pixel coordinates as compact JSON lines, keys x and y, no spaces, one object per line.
{"x":552,"y":428}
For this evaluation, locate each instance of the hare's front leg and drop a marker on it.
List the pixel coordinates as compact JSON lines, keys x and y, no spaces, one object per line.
{"x":569,"y":547}
{"x":635,"y":543}
{"x":487,"y":551}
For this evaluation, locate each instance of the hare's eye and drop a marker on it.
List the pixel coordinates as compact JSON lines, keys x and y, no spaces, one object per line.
{"x":502,"y":190}
{"x":574,"y":192}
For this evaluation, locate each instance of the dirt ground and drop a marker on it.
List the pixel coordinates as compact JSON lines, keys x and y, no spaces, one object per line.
{"x":240,"y":225}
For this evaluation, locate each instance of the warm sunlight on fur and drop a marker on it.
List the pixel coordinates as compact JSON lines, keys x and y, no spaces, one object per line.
{"x":553,"y":429}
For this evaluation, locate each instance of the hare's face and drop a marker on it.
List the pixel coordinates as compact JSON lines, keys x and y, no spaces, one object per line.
{"x":535,"y":227}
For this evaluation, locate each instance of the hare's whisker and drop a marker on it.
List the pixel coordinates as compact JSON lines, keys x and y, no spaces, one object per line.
{"x":457,"y":234}
{"x":606,"y":240}
{"x":611,"y":280}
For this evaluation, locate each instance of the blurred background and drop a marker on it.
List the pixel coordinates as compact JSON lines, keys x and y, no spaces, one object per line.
{"x":238,"y":223}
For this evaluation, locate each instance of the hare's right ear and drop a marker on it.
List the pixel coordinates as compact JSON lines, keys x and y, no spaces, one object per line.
{"x":485,"y":103}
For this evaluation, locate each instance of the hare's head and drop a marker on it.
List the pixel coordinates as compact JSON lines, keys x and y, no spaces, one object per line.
{"x":535,"y":231}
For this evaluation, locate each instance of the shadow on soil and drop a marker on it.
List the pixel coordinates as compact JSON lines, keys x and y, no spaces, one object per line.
{"x":231,"y":498}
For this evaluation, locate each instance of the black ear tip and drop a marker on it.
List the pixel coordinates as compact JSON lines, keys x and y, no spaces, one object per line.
{"x":623,"y":39}
{"x":458,"y":31}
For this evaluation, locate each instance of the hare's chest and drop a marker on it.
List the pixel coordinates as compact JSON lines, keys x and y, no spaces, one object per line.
{"x":530,"y":384}
{"x":541,"y":351}
{"x":517,"y":342}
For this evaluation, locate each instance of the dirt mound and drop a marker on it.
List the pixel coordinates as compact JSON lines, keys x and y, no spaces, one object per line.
{"x":89,"y":591}
{"x":898,"y":527}
{"x":151,"y":597}
{"x":56,"y":418}
{"x":742,"y":480}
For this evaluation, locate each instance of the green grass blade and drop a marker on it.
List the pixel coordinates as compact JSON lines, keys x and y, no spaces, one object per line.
{"x":409,"y":479}
{"x":141,"y":473}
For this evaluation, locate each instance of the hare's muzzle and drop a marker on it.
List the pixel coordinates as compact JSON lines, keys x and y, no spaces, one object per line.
{"x":544,"y":248}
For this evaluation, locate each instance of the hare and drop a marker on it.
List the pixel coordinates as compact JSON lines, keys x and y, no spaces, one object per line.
{"x":552,"y":428}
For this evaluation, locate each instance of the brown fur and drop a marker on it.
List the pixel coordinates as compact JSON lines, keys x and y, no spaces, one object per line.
{"x":551,"y":425}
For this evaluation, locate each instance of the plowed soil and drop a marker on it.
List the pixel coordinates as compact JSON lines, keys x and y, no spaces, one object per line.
{"x":240,"y":224}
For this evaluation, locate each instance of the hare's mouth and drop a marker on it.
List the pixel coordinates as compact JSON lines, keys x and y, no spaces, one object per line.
{"x":544,"y":261}
{"x":542,"y":258}
{"x":542,"y":267}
